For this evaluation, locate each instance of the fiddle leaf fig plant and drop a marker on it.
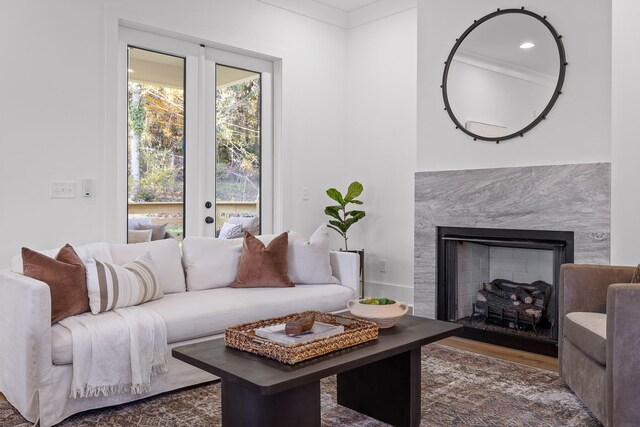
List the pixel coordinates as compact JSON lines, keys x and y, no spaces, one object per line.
{"x":342,"y":219}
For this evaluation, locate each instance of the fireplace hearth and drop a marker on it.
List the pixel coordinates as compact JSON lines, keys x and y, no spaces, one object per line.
{"x":502,"y":284}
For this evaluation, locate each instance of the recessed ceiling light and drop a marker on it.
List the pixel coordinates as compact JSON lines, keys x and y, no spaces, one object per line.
{"x":527,"y":45}
{"x":131,"y":69}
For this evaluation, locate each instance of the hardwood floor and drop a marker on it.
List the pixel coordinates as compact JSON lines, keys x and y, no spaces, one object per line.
{"x":2,"y":399}
{"x":504,"y":353}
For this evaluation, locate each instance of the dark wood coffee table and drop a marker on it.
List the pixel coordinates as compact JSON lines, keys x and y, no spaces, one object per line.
{"x":380,"y":379}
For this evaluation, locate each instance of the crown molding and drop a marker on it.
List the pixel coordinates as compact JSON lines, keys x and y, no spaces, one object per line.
{"x":312,"y":9}
{"x":378,"y":10}
{"x":346,"y":20}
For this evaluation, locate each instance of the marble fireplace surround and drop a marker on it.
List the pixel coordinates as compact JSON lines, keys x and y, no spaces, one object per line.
{"x":557,"y":198}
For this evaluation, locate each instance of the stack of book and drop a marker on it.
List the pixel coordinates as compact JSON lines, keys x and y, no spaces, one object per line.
{"x":319,"y":330}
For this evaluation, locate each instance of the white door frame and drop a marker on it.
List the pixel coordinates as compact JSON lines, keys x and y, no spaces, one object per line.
{"x":265,"y":68}
{"x":200,"y":62}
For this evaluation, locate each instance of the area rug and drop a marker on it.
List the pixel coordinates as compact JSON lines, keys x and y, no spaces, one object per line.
{"x":459,"y":388}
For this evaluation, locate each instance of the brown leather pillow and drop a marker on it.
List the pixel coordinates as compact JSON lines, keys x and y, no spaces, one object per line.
{"x":66,"y":277}
{"x":263,"y":267}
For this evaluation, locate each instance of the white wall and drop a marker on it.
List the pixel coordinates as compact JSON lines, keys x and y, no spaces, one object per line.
{"x":578,"y":129}
{"x":381,"y":135}
{"x":54,"y":115}
{"x":52,"y":120}
{"x":625,"y":249}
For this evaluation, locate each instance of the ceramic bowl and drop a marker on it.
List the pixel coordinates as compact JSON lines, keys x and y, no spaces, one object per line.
{"x":384,"y":315}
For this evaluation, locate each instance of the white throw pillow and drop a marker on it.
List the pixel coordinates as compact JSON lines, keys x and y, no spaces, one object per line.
{"x":230,"y":231}
{"x":249,"y":223}
{"x":309,"y":261}
{"x":123,"y":286}
{"x":100,"y":251}
{"x":167,"y":256}
{"x":210,"y":263}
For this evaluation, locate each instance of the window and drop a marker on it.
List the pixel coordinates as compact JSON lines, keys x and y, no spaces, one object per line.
{"x":155,"y":167}
{"x":238,"y":143}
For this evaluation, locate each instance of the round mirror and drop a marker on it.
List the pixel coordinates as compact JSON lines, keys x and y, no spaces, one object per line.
{"x":504,"y":75}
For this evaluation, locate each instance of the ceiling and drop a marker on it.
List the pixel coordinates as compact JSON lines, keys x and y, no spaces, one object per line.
{"x":347,"y":5}
{"x":345,"y":14}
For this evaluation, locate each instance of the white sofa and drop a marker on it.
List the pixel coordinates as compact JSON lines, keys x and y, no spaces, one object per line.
{"x":36,"y":357}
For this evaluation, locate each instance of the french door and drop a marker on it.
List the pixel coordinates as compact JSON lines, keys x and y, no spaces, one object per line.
{"x":199,"y":136}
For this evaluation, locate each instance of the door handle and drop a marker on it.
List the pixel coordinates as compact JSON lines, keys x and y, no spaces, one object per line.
{"x":208,"y":220}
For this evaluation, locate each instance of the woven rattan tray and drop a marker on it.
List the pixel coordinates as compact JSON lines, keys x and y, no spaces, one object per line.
{"x":356,"y":331}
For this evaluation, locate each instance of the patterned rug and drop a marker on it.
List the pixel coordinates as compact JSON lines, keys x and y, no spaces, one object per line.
{"x":458,"y":389}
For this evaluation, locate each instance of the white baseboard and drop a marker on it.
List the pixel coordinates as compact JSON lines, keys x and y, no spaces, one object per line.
{"x":392,"y":291}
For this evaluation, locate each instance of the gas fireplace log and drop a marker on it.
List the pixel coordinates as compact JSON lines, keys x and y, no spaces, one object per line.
{"x":511,"y":308}
{"x":523,"y":296}
{"x":539,"y":286}
{"x":499,"y":292}
{"x":538,"y":290}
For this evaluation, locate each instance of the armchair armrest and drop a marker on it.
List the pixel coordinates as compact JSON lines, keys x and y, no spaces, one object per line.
{"x":25,"y":341}
{"x":583,"y":287}
{"x":623,"y":354}
{"x":345,"y":266}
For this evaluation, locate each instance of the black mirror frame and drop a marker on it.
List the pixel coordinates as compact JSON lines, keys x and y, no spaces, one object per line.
{"x":558,"y":90}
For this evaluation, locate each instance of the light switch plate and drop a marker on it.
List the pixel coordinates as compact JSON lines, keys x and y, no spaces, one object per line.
{"x":63,"y":190}
{"x":87,"y":187}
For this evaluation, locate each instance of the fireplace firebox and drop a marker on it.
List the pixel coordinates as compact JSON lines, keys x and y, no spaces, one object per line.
{"x":502,"y":284}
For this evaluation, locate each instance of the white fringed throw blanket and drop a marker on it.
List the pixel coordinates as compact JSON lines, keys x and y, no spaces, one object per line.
{"x":117,"y":351}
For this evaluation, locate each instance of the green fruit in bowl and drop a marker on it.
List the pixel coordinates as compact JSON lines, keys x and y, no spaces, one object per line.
{"x":377,"y":301}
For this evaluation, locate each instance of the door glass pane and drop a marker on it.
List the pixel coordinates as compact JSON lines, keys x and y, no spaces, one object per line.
{"x":238,"y":145}
{"x":155,"y":143}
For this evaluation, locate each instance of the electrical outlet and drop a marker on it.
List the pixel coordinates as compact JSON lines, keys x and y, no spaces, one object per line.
{"x":383,"y":266}
{"x":305,"y":193}
{"x":63,"y":190}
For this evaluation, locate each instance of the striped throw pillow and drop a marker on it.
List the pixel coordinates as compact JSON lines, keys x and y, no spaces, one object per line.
{"x":116,"y":286}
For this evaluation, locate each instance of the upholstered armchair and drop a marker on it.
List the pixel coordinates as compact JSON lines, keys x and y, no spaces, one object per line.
{"x":599,"y":338}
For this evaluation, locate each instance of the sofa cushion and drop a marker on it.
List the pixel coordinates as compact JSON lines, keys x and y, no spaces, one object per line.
{"x":158,"y":231}
{"x":199,"y":314}
{"x":213,"y":263}
{"x":135,"y":223}
{"x":166,"y":256}
{"x":100,"y":251}
{"x":190,"y":315}
{"x":66,"y":277}
{"x":263,"y":266}
{"x":230,"y":231}
{"x":588,"y":332}
{"x":309,"y":260}
{"x":61,"y":345}
{"x":118,"y":286}
{"x":210,"y":263}
{"x":139,"y":236}
{"x":248,"y":223}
